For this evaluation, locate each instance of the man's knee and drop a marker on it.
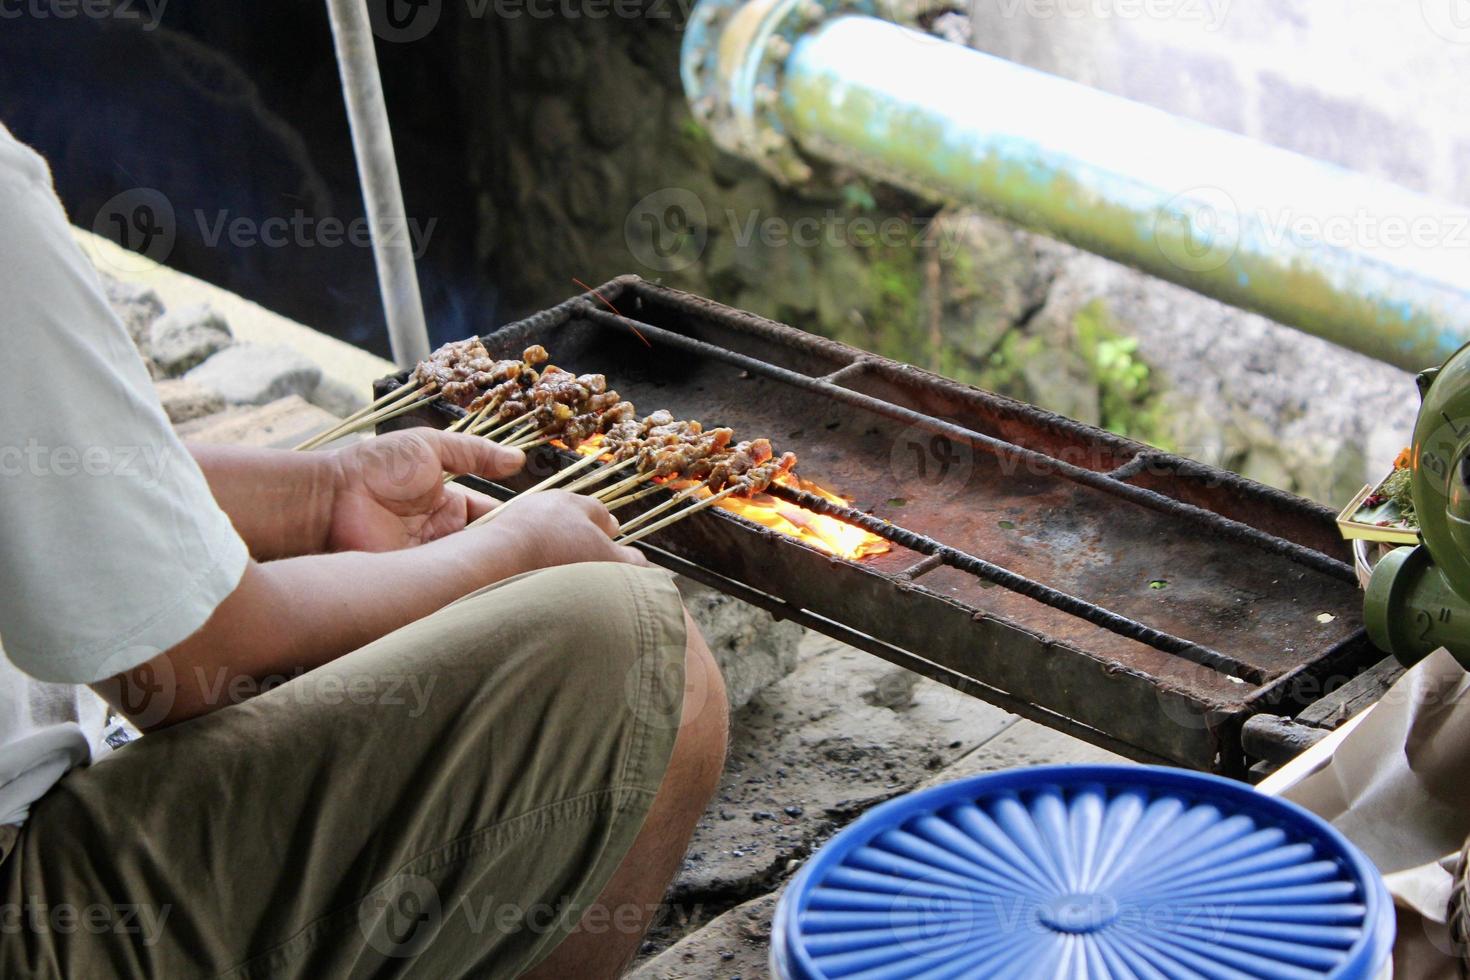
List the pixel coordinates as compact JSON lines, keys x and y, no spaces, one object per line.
{"x":699,"y":752}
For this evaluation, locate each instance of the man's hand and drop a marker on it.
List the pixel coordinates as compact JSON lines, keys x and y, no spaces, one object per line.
{"x":389,"y":492}
{"x":295,"y":613}
{"x":559,"y":528}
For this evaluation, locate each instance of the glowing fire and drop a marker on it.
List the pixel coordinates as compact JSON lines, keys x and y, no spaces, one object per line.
{"x":818,"y":530}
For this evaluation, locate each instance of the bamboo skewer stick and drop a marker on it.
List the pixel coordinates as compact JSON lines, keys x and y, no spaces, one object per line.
{"x":402,"y":391}
{"x":601,"y":474}
{"x":382,"y":415}
{"x":518,"y":433}
{"x":529,"y":437}
{"x":470,"y":419}
{"x":422,"y":396}
{"x":545,"y":484}
{"x":402,"y":408}
{"x":653,"y":512}
{"x":630,"y":498}
{"x":490,"y":430}
{"x":674,"y":518}
{"x":620,"y":488}
{"x":343,"y":427}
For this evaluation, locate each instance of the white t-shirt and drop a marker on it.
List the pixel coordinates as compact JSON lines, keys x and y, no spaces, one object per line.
{"x":112,"y":549}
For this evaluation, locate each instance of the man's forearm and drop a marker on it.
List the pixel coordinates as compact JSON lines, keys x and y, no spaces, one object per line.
{"x":280,"y":502}
{"x":289,"y":616}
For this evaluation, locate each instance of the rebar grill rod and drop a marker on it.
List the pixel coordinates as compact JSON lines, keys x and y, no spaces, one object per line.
{"x":1030,"y":588}
{"x":782,"y":609}
{"x":1315,"y":560}
{"x":1113,"y":622}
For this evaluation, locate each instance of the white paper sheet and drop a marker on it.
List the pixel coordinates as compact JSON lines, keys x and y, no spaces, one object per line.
{"x":1398,"y":786}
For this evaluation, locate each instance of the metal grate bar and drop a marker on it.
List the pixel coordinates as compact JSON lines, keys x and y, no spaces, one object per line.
{"x":989,"y":571}
{"x":1224,"y":526}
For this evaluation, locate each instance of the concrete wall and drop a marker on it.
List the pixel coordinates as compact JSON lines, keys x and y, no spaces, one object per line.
{"x":1379,"y":86}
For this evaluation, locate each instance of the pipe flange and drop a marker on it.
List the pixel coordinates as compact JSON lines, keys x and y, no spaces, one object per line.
{"x":731,"y":62}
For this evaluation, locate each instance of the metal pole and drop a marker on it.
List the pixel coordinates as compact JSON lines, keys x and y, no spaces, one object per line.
{"x":1355,"y":260}
{"x":377,"y":168}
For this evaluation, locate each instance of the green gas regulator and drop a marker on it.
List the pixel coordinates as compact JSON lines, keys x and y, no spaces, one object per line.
{"x":1419,"y":598}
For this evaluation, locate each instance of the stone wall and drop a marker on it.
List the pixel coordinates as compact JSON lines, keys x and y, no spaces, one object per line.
{"x":556,"y":150}
{"x":589,"y":165}
{"x":1376,"y":87}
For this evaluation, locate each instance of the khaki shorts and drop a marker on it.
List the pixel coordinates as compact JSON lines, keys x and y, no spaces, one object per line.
{"x":444,"y":802}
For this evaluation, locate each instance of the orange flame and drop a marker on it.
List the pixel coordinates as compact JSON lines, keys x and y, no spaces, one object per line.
{"x":818,"y":530}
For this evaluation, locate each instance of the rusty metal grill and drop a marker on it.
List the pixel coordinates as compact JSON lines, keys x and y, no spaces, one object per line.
{"x":1140,"y":600}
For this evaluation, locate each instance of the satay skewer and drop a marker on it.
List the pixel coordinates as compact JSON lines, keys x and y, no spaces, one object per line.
{"x":517,"y":432}
{"x":532,"y":436}
{"x":652,"y":512}
{"x":365,"y":417}
{"x":596,"y":475}
{"x":402,"y":391}
{"x":624,"y":501}
{"x":490,"y":430}
{"x":461,"y":372}
{"x":545,"y":484}
{"x":675,"y":518}
{"x":471,"y":419}
{"x":622,"y":486}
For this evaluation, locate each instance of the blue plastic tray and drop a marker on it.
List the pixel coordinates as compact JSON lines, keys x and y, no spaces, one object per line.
{"x":1085,"y":872}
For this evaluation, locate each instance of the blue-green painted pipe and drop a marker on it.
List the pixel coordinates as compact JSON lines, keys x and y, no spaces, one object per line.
{"x":1358,"y":261}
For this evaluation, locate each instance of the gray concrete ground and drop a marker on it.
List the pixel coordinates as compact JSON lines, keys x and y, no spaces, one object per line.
{"x":844,"y":732}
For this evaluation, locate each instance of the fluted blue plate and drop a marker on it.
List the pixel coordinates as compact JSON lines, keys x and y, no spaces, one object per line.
{"x":1085,"y":873}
